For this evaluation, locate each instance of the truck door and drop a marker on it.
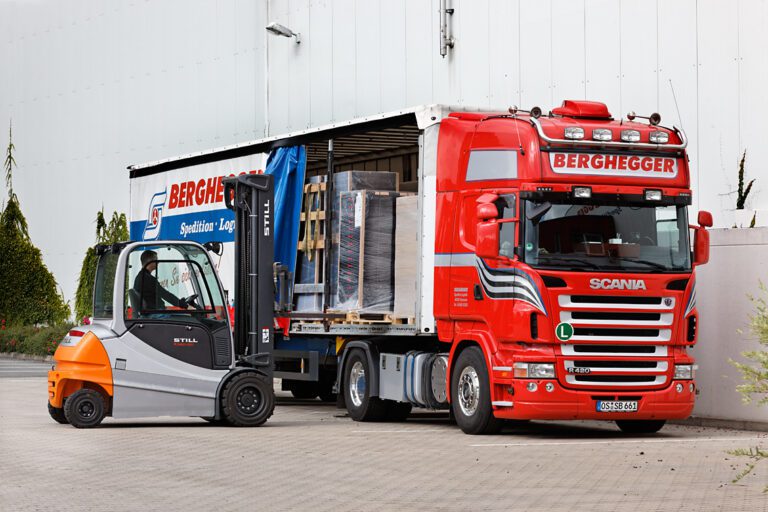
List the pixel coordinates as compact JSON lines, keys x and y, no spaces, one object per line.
{"x":178,"y":342}
{"x":479,"y":286}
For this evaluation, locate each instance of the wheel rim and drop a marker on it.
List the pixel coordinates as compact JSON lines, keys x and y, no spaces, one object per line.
{"x":86,"y":409}
{"x":357,"y":384}
{"x":469,"y":391}
{"x":249,"y":400}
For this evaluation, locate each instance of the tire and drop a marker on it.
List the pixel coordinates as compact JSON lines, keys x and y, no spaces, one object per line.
{"x":57,"y":414}
{"x":472,"y":405}
{"x":360,"y":405}
{"x":248,"y":400}
{"x":640,"y":426}
{"x":85,"y":408}
{"x":304,"y":390}
{"x":398,"y":411}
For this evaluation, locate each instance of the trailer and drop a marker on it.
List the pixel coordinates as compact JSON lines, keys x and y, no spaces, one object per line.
{"x":504,"y":264}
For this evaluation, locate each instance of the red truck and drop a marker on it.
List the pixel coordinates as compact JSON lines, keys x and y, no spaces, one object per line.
{"x":541,"y":265}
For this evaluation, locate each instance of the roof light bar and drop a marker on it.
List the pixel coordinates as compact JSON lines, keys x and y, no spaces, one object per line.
{"x":603,"y":134}
{"x":659,"y":137}
{"x":574,"y":132}
{"x":582,"y":192}
{"x":630,"y":135}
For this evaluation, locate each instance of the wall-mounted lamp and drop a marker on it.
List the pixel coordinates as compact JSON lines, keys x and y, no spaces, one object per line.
{"x":281,"y":30}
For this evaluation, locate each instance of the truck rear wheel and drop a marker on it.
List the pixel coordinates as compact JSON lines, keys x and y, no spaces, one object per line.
{"x":471,"y":394}
{"x":640,"y":426}
{"x":248,"y":400}
{"x":360,"y":405}
{"x":85,"y":408}
{"x":57,"y":413}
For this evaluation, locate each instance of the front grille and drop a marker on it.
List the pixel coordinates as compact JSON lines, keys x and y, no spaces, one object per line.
{"x":618,"y":340}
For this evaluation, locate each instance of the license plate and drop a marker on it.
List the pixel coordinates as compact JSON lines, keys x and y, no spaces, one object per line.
{"x":617,"y":406}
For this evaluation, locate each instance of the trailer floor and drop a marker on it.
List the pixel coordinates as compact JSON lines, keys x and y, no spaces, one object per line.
{"x":311,"y":457}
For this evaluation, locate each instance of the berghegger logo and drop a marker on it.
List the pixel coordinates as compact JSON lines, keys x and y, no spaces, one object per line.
{"x":613,"y":165}
{"x":154,"y":216}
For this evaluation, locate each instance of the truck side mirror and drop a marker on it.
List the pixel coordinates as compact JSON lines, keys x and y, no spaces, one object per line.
{"x":701,"y":245}
{"x":705,"y":219}
{"x":487,"y":243}
{"x":486,"y":211}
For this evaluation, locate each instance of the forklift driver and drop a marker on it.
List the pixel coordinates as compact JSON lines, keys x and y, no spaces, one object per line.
{"x":149,"y":289}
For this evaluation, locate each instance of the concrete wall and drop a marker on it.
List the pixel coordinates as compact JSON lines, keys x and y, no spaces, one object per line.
{"x":739,"y":261}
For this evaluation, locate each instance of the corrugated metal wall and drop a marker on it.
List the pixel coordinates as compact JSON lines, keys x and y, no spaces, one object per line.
{"x":93,"y":86}
{"x":361,"y":57}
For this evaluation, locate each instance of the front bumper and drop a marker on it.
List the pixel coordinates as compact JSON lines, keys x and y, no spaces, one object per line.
{"x":568,"y":404}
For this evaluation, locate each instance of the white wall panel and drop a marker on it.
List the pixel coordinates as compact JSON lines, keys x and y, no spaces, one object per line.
{"x":536,"y":54}
{"x":639,"y":63}
{"x":393,"y":55}
{"x":504,"y":53}
{"x":419,"y":40}
{"x":568,"y":54}
{"x":602,"y":53}
{"x":753,"y":103}
{"x":472,"y":54}
{"x":320,"y":45}
{"x":368,"y":49}
{"x":344,"y":59}
{"x":718,"y":127}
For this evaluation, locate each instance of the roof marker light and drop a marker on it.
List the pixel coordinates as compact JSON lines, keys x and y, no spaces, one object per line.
{"x":630,"y":135}
{"x":574,"y":132}
{"x":603,"y":134}
{"x":659,"y":137}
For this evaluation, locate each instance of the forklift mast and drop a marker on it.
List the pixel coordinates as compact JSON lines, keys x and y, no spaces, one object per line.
{"x":251,"y":197}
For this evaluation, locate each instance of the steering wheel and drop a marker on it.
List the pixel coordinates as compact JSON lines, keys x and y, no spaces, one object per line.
{"x":190,"y":301}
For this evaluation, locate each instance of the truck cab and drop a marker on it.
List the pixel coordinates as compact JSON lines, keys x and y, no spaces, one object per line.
{"x":563,"y":257}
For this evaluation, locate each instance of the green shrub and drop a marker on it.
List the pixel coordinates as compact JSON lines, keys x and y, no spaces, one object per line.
{"x":27,"y":339}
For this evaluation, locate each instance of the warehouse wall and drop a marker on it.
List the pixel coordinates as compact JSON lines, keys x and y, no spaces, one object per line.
{"x":93,"y":86}
{"x":361,"y":57}
{"x":724,"y":311}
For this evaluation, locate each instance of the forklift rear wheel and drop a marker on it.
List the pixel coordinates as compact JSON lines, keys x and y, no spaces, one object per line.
{"x":85,"y":408}
{"x":360,"y":405}
{"x":57,"y":413}
{"x":640,"y":426}
{"x":248,"y":400}
{"x":471,"y":394}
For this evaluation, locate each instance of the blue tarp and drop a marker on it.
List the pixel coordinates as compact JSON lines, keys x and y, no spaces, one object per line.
{"x":288,"y":166}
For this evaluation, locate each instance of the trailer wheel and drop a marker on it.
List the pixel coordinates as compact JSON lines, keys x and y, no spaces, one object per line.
{"x":640,"y":426}
{"x":85,"y":408}
{"x":57,"y":413}
{"x":360,"y":405}
{"x":471,"y":394}
{"x":248,"y":400}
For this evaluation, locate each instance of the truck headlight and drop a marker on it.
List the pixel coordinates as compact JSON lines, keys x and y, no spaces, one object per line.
{"x":534,"y":370}
{"x":684,"y":371}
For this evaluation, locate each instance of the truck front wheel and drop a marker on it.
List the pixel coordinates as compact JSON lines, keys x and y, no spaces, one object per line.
{"x":360,"y":405}
{"x":471,"y":394}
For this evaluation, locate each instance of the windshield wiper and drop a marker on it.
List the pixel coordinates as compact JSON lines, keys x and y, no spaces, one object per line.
{"x":569,"y":260}
{"x":646,"y":262}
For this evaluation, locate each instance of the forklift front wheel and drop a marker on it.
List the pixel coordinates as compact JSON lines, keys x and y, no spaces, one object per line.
{"x":248,"y":400}
{"x":85,"y":408}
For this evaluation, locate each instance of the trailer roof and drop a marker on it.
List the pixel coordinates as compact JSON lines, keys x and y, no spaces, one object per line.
{"x":380,"y":134}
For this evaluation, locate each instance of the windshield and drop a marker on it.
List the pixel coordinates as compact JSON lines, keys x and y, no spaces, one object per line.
{"x":607,"y":237}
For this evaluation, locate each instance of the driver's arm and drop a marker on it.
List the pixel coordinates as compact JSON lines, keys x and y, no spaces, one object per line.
{"x":169,"y":297}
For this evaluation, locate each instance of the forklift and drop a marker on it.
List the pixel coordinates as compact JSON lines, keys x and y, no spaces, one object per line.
{"x":161,"y":342}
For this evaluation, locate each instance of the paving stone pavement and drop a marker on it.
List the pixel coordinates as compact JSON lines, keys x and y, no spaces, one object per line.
{"x":310,"y":457}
